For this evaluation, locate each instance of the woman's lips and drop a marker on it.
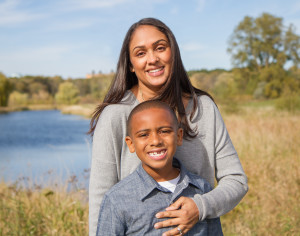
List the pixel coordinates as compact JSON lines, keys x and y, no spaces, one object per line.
{"x":156,"y":72}
{"x":158,"y":155}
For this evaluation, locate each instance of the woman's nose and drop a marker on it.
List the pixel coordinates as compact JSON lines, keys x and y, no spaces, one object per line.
{"x":152,"y":58}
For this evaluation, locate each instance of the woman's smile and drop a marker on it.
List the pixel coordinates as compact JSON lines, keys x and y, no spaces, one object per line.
{"x":156,"y":72}
{"x":150,"y":57}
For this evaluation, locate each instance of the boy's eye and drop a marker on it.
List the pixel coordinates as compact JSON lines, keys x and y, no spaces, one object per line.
{"x":143,"y":135}
{"x":166,"y":131}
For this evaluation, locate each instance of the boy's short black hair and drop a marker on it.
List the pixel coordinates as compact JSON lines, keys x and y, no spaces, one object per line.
{"x":150,"y":104}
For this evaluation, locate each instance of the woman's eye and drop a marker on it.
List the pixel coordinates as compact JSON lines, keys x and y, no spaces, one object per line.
{"x":140,"y":54}
{"x":161,"y":48}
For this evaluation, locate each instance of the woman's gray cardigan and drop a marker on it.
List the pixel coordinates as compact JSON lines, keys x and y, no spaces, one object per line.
{"x":211,"y":155}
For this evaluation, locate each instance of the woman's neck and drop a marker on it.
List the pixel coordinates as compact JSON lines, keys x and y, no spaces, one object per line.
{"x":143,"y":94}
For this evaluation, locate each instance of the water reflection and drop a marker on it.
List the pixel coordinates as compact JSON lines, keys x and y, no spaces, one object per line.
{"x":44,"y":146}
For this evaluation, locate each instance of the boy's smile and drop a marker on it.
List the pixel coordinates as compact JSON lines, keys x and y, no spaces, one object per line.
{"x":154,"y":137}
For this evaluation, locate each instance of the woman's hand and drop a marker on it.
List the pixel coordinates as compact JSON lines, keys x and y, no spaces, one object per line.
{"x":184,"y":213}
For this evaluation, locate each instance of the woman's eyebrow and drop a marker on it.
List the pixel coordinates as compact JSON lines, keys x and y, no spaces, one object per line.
{"x":153,"y":44}
{"x":158,"y":41}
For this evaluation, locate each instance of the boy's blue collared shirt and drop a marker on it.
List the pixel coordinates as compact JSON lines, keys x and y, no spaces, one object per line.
{"x":129,"y":207}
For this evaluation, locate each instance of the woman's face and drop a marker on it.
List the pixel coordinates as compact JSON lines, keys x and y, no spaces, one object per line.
{"x":150,"y":56}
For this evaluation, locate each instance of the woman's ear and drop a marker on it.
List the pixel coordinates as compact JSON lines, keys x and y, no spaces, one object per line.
{"x":179,"y":136}
{"x":131,"y":68}
{"x":130,"y":144}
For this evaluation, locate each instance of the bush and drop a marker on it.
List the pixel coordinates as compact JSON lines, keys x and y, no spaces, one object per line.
{"x":18,"y":99}
{"x":67,"y":94}
{"x":289,"y":102}
{"x":5,"y":89}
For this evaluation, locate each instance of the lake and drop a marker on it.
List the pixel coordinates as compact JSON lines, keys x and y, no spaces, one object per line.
{"x":44,"y":146}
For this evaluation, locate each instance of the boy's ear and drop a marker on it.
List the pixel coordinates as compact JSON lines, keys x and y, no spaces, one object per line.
{"x":130,"y":144}
{"x":179,"y":136}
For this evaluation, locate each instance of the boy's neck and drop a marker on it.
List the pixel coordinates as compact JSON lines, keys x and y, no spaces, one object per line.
{"x":165,"y":174}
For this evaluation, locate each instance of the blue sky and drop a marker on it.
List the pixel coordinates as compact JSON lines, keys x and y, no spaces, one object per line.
{"x":70,"y":38}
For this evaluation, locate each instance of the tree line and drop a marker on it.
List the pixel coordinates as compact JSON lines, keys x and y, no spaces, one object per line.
{"x":29,"y":90}
{"x":265,"y":56}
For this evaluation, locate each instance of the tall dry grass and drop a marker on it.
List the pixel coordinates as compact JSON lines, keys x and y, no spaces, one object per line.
{"x":268,"y":144}
{"x":36,"y":211}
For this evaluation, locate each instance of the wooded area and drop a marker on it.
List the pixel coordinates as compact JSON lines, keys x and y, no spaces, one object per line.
{"x":265,"y":55}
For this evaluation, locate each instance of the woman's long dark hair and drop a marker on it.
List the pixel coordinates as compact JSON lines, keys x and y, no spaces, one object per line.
{"x":177,"y":85}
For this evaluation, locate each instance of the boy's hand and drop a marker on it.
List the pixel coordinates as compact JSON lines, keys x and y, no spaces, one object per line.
{"x":184,"y":214}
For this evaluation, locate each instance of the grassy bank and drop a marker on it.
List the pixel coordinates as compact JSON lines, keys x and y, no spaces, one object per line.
{"x":38,"y":211}
{"x":85,"y":110}
{"x":28,"y":108}
{"x":268,"y":145}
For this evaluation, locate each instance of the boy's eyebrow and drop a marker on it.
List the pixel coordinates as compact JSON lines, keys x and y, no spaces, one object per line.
{"x":142,"y":130}
{"x":161,"y":127}
{"x":153,"y":44}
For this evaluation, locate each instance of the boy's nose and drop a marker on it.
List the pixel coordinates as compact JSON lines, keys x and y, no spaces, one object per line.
{"x":155,"y":139}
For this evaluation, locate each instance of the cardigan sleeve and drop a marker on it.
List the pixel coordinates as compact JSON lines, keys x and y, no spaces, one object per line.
{"x":232,"y":181}
{"x":104,"y":167}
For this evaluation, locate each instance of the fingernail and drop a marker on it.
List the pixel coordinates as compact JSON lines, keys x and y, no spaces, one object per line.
{"x":157,"y":215}
{"x":156,"y":226}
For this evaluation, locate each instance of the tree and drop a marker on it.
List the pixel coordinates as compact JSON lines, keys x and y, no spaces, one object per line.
{"x":263,"y":41}
{"x":261,"y":47}
{"x":5,"y":89}
{"x":67,"y":93}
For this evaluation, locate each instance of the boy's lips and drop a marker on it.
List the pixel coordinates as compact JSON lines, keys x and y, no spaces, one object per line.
{"x":157,"y":154}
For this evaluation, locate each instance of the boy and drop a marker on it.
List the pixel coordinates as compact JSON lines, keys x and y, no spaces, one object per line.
{"x":129,"y":207}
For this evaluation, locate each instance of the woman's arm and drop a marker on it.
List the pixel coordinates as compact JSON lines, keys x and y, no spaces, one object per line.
{"x":232,"y":182}
{"x":104,"y":174}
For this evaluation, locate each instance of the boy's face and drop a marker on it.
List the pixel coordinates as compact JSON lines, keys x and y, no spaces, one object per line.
{"x":154,"y":137}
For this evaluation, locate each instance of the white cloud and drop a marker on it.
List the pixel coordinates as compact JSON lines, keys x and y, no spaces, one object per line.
{"x":37,"y":53}
{"x":174,"y":10}
{"x":10,"y":14}
{"x":295,"y":8}
{"x":73,"y":5}
{"x":74,"y":25}
{"x":192,"y":46}
{"x":200,"y":5}
{"x":50,"y":60}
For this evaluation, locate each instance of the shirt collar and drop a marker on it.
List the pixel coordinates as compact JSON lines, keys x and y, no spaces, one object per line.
{"x":147,"y":184}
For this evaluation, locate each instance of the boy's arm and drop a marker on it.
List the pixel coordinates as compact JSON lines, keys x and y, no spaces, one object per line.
{"x":109,"y":222}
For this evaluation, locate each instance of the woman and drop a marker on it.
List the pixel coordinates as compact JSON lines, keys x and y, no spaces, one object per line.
{"x":150,"y":67}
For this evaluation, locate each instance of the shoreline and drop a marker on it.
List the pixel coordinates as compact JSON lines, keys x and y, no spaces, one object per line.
{"x":84,"y":110}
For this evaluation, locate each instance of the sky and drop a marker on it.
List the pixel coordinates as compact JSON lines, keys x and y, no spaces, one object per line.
{"x":71,"y":38}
